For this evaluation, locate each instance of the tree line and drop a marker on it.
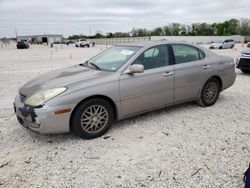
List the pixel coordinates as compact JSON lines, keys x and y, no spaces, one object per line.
{"x":228,"y":27}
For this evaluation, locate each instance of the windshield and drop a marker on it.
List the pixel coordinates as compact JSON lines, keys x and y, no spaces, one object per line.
{"x":113,"y":58}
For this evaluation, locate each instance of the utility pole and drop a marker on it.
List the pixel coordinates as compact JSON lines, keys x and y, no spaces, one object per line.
{"x":1,"y":41}
{"x":89,"y":31}
{"x":16,"y":33}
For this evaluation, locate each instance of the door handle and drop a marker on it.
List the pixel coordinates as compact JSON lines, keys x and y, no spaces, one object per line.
{"x":206,"y":67}
{"x":168,"y":73}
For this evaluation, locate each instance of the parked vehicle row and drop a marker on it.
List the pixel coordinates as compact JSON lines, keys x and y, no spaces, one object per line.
{"x":121,"y":82}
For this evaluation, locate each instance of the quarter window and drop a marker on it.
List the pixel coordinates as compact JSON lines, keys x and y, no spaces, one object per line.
{"x":202,"y":54}
{"x":185,"y":53}
{"x":154,"y":57}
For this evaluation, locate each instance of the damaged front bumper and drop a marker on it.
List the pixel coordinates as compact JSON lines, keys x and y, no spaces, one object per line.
{"x":42,"y":119}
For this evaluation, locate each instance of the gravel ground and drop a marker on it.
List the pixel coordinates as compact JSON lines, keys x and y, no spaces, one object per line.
{"x":181,"y":146}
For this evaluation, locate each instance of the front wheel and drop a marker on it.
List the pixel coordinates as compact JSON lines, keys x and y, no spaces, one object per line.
{"x":92,"y":118}
{"x":210,"y":92}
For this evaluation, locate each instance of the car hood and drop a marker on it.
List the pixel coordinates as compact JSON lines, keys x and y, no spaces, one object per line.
{"x":61,"y":78}
{"x":215,"y":44}
{"x":246,"y":51}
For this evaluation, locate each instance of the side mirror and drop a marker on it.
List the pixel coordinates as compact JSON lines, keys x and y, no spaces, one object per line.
{"x":136,"y":68}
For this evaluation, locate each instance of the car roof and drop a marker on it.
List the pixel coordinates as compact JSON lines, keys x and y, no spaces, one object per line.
{"x":149,"y":44}
{"x":156,"y":42}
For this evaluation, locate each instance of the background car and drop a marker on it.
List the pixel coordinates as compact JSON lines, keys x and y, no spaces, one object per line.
{"x":223,"y":44}
{"x":248,"y":45}
{"x":82,"y":43}
{"x":121,"y":82}
{"x":23,"y":44}
{"x":67,"y":42}
{"x":243,"y":61}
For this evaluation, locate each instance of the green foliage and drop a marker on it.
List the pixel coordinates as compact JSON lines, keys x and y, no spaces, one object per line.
{"x":245,"y":27}
{"x":228,"y":27}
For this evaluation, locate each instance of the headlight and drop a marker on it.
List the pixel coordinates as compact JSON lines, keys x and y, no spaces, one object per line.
{"x":41,"y":97}
{"x":238,"y":58}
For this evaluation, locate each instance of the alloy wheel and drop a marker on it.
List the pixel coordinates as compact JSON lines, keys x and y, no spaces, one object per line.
{"x":210,"y":92}
{"x":94,"y":118}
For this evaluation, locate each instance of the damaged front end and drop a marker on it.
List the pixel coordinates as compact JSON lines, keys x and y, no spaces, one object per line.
{"x":41,"y":118}
{"x":26,"y":115}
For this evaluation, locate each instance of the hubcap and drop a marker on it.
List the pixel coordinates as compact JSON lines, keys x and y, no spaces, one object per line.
{"x":210,"y":92}
{"x":94,"y":118}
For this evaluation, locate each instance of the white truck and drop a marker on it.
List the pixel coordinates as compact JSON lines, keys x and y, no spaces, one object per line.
{"x":82,"y":43}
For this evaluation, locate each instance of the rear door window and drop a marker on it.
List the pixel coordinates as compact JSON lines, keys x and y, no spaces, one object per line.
{"x":184,"y":53}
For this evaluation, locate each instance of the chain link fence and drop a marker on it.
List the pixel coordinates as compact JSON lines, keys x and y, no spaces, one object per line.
{"x":116,"y":41}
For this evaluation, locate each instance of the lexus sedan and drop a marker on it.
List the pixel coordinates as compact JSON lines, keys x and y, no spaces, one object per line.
{"x":121,"y":82}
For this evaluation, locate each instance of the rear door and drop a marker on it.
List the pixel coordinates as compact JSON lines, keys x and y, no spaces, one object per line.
{"x":190,"y":71}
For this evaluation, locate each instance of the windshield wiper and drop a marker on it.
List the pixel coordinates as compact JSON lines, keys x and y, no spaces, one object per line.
{"x":96,"y":66}
{"x":84,"y":64}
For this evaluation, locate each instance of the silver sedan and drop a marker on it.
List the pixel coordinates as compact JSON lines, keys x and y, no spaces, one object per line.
{"x":120,"y":82}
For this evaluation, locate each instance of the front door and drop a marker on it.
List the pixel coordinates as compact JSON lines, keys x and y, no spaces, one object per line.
{"x":151,"y":89}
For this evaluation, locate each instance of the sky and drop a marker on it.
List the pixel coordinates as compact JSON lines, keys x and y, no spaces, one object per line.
{"x":68,"y":17}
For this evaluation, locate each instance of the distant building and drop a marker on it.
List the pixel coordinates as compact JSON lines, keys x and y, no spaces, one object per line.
{"x":50,"y":38}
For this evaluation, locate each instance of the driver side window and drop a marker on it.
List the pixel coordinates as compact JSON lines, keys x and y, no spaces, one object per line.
{"x":154,"y":57}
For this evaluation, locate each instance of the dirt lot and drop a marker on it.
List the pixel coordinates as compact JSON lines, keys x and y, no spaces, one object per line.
{"x":181,"y":146}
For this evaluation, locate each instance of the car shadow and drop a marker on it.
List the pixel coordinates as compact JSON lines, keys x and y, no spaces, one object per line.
{"x":154,"y":114}
{"x":52,"y":138}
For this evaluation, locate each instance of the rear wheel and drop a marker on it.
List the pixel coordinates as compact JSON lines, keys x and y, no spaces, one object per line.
{"x":92,"y":118}
{"x":220,"y":47}
{"x":232,"y":46}
{"x":210,"y":92}
{"x":245,"y":71}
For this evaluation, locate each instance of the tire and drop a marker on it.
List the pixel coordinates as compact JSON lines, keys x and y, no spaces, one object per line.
{"x":88,"y":125}
{"x":232,"y":46}
{"x":245,"y":71}
{"x":88,"y":46}
{"x":220,"y":47}
{"x":76,"y":46}
{"x":210,"y":92}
